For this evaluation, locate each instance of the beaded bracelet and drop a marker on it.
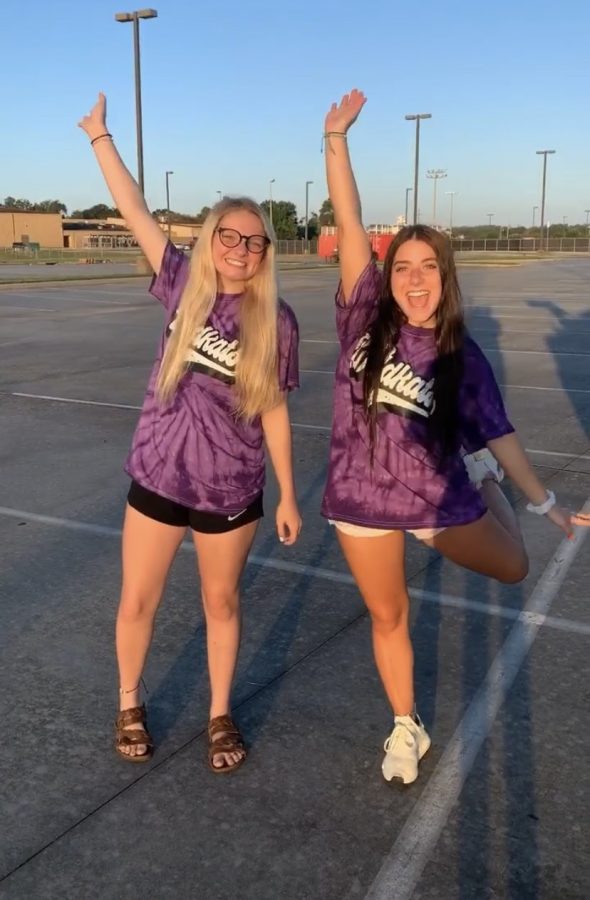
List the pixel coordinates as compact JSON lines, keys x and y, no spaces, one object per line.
{"x":543,"y":508}
{"x":99,"y":136}
{"x":328,"y":134}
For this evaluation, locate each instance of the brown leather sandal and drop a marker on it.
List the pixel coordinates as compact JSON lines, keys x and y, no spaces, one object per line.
{"x":224,"y":737}
{"x":132,"y":737}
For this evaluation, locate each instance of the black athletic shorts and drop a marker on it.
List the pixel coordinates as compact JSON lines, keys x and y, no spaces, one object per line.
{"x":168,"y":512}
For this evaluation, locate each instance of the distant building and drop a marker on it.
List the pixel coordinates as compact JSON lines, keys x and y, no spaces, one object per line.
{"x":34,"y":231}
{"x":20,"y":229}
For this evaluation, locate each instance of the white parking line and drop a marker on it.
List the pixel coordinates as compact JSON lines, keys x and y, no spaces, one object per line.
{"x":487,"y":609}
{"x":304,"y":425}
{"x":520,"y":387}
{"x":403,"y":866}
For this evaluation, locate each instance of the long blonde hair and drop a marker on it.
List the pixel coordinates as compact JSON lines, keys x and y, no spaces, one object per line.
{"x":257,"y":385}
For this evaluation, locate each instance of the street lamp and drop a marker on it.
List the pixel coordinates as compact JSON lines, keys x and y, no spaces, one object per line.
{"x":435,"y":174}
{"x":451,"y":194}
{"x":219,"y":194}
{"x":135,"y":17}
{"x":490,"y":217}
{"x":407,"y":192}
{"x":270,"y":184}
{"x":169,"y":172}
{"x":544,"y":153}
{"x":411,"y":118}
{"x":535,"y":208}
{"x":307,"y":184}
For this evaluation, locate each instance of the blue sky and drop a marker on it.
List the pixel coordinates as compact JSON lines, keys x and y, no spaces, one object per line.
{"x":234,"y":93}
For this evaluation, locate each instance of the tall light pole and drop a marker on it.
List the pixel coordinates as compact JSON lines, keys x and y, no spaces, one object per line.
{"x":270,"y":184}
{"x":544,"y":154}
{"x":535,"y":208}
{"x":587,"y":211}
{"x":307,"y":184}
{"x":135,"y":17}
{"x":411,"y":118}
{"x":408,"y":190}
{"x":490,"y":217}
{"x":451,"y":194}
{"x":435,"y":174}
{"x":219,"y":194}
{"x":168,"y":173}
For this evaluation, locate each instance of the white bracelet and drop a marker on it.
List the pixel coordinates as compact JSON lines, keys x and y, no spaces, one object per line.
{"x":543,"y":508}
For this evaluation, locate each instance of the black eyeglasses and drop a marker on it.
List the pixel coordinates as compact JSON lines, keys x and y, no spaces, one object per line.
{"x":255,"y":243}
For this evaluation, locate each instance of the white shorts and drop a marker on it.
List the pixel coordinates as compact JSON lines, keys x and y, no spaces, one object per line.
{"x":481,"y":466}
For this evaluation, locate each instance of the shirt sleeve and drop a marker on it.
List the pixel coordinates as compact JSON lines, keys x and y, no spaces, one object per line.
{"x":288,"y":334}
{"x":353,"y":317}
{"x":167,"y":286}
{"x":482,"y":413}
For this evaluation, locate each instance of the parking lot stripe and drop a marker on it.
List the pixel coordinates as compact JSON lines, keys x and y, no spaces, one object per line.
{"x":403,"y":866}
{"x":463,"y":603}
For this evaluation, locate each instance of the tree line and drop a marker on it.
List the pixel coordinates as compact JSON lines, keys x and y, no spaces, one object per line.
{"x":287,"y":224}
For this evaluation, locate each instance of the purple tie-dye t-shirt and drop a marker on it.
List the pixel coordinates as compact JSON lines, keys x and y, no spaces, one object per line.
{"x":405,"y":487}
{"x":193,"y":449}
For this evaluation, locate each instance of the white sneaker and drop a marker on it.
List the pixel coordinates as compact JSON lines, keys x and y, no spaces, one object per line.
{"x":404,"y":748}
{"x":481,"y":466}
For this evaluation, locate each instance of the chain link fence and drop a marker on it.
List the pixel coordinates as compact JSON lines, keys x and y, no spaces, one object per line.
{"x":523,"y":245}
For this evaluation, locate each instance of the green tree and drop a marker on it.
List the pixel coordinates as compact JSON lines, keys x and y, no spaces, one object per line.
{"x":200,"y":217}
{"x":284,"y":218}
{"x":327,"y":213}
{"x":312,"y":228}
{"x":51,"y":206}
{"x":99,"y":211}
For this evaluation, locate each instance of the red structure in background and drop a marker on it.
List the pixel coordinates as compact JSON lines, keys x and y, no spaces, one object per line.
{"x":380,"y":237}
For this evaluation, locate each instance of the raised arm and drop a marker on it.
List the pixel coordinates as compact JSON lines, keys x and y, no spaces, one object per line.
{"x":123,"y":187}
{"x":354,"y":248}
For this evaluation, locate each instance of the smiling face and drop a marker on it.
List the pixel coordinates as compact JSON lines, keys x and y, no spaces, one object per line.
{"x":236,"y":265}
{"x":416,"y":282}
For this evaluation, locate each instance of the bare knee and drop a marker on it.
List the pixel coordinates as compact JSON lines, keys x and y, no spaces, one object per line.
{"x":516,"y":570}
{"x":391,"y":617}
{"x":138,"y":605}
{"x":221,"y":604}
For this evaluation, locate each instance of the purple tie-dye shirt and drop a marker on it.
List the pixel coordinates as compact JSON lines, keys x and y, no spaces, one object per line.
{"x":193,"y":449}
{"x":405,"y":487}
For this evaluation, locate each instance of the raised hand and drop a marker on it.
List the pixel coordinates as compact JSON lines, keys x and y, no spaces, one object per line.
{"x":342,"y":115}
{"x":95,"y":122}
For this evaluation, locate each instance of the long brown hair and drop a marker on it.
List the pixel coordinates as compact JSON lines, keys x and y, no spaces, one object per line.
{"x":449,"y":335}
{"x":257,"y":386}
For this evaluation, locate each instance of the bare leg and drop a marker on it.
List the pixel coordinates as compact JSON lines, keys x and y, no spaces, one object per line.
{"x":221,"y":560}
{"x":377,"y":565}
{"x":485,"y":546}
{"x":149,"y":549}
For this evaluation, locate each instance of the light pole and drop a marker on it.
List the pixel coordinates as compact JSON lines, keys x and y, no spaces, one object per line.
{"x":168,"y":172}
{"x":411,"y":118}
{"x":451,"y":194}
{"x":490,"y":217}
{"x":135,"y":17}
{"x":307,"y":184}
{"x":435,"y":174}
{"x":270,"y":184}
{"x":219,"y":194}
{"x":544,"y":154}
{"x":408,"y":190}
{"x":535,"y":208}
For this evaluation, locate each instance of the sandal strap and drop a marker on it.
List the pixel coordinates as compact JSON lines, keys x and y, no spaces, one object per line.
{"x":135,"y":715}
{"x":223,"y":724}
{"x":132,"y":737}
